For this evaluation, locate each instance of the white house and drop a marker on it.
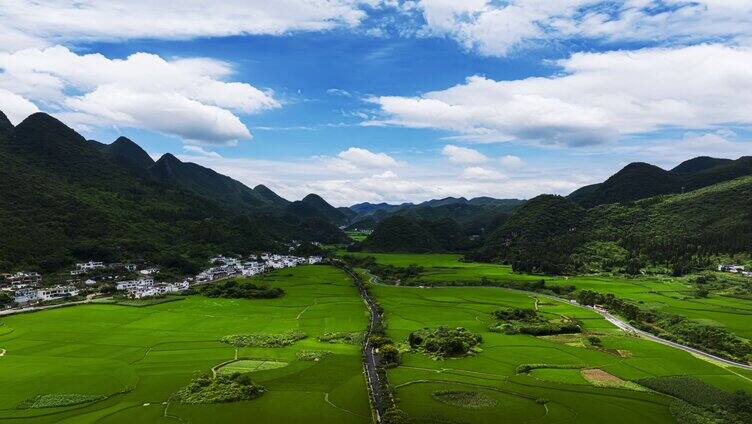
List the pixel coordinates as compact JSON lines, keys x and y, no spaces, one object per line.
{"x":25,"y":295}
{"x":88,"y":266}
{"x":730,"y":268}
{"x":57,"y":292}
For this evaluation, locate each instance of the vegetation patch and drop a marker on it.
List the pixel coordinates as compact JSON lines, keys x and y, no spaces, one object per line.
{"x":444,"y":342}
{"x":313,"y":355}
{"x":527,"y":321}
{"x":464,"y":399}
{"x":220,"y":389}
{"x":353,"y":338}
{"x":599,"y":378}
{"x":251,"y":365}
{"x":147,"y":301}
{"x":239,"y":289}
{"x":264,"y":340}
{"x":59,"y":400}
{"x":526,"y":368}
{"x":698,"y":402}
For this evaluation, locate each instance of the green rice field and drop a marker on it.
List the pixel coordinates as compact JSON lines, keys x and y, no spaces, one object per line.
{"x":673,"y":295}
{"x":556,"y":392}
{"x":123,"y":363}
{"x":116,"y":363}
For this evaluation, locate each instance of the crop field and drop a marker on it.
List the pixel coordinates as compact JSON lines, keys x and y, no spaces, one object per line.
{"x":571,"y":380}
{"x":673,"y":295}
{"x":111,"y":363}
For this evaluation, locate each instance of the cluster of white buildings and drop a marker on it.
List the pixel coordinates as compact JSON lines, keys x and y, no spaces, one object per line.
{"x":32,"y":294}
{"x":21,"y":279}
{"x":736,"y":269}
{"x":230,"y":267}
{"x":146,"y":287}
{"x":85,"y":267}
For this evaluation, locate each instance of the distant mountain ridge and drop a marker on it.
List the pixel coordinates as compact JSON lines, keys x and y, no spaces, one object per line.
{"x":641,"y":180}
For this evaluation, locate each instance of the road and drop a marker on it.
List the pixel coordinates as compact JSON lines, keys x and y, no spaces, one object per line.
{"x":624,"y":326}
{"x":630,"y":329}
{"x":370,"y":357}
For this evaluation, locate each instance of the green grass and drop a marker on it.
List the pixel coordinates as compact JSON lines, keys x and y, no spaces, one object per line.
{"x":139,"y":357}
{"x":357,"y":235}
{"x":553,"y":394}
{"x":251,"y":365}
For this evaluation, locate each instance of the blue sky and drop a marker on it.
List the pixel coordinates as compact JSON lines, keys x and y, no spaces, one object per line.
{"x":392,"y":100}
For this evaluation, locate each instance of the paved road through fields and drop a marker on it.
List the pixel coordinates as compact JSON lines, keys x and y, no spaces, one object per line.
{"x":370,"y":356}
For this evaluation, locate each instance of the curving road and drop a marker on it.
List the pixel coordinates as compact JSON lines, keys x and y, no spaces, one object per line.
{"x":630,"y":329}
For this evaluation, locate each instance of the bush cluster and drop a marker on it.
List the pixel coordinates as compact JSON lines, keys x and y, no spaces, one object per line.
{"x":222,"y":388}
{"x":354,"y":338}
{"x":527,"y":321}
{"x":239,"y":289}
{"x":264,"y":340}
{"x":444,"y":342}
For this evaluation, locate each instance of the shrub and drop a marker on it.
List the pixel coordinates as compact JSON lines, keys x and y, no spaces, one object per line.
{"x":444,"y":342}
{"x":313,"y":355}
{"x":220,"y":389}
{"x":354,"y":338}
{"x":264,"y":340}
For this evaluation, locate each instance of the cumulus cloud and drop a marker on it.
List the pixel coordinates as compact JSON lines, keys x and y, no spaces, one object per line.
{"x":188,"y":98}
{"x":596,"y":98}
{"x":463,"y":155}
{"x":200,"y":151}
{"x":511,"y":162}
{"x":30,"y":23}
{"x":478,"y":173}
{"x":496,"y":28}
{"x":15,"y":107}
{"x":366,"y":158}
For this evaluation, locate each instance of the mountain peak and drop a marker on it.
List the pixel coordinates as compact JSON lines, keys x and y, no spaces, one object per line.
{"x":698,"y":164}
{"x":313,"y":198}
{"x":5,"y":124}
{"x":126,"y":151}
{"x":169,"y":158}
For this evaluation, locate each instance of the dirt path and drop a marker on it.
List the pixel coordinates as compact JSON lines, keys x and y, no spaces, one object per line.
{"x":2,"y":352}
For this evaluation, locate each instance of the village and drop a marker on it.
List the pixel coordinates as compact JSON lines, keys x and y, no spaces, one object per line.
{"x":23,"y":289}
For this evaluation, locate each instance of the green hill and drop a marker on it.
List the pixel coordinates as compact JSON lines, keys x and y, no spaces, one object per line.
{"x":400,"y":233}
{"x":553,"y":234}
{"x":66,"y":199}
{"x":313,"y":206}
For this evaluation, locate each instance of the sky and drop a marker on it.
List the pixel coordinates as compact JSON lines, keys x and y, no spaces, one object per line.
{"x":392,"y":101}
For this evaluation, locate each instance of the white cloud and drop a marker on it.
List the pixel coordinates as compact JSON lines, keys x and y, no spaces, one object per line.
{"x":15,"y":107}
{"x":596,"y":98}
{"x":30,"y":23}
{"x":198,"y":150}
{"x":511,"y":162}
{"x":668,"y":152}
{"x":367,"y":159}
{"x":293,"y":179}
{"x":463,"y":155}
{"x":338,"y":92}
{"x":478,"y":173}
{"x":188,"y":98}
{"x":495,"y":28}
